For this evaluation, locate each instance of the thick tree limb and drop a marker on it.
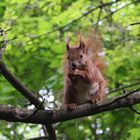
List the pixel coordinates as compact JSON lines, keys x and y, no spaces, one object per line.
{"x":13,"y":114}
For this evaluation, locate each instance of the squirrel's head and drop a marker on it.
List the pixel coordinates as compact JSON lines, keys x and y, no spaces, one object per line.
{"x":76,"y":56}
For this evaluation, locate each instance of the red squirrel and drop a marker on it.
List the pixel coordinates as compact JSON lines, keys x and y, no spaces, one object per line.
{"x":84,"y":81}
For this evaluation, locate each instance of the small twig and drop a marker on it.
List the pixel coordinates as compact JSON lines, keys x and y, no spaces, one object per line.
{"x":113,"y":12}
{"x":124,"y":87}
{"x":136,"y":23}
{"x":134,"y":110}
{"x":131,"y":107}
{"x":99,"y":16}
{"x":39,"y":138}
{"x":8,"y":29}
{"x":121,"y":97}
{"x":129,"y":93}
{"x":3,"y":33}
{"x":44,"y":130}
{"x":24,"y":9}
{"x":132,"y":39}
{"x":35,"y":111}
{"x":110,"y":14}
{"x":10,"y":39}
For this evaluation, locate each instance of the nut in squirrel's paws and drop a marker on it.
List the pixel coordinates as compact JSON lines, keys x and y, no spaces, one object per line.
{"x":75,"y":72}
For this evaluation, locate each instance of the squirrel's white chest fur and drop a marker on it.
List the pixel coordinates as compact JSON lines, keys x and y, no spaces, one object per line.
{"x":84,"y":90}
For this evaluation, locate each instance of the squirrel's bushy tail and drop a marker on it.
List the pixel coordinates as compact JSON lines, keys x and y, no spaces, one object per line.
{"x":95,"y":49}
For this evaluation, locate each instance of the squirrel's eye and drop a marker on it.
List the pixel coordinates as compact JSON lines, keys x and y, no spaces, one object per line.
{"x":81,"y":56}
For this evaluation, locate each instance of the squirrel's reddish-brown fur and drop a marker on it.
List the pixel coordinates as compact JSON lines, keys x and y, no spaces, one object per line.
{"x":84,"y":80}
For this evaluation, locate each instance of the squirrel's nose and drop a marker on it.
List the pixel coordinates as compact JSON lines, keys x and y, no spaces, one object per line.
{"x":73,"y":65}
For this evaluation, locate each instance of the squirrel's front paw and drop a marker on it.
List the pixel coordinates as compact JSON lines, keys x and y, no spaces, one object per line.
{"x":71,"y":106}
{"x":94,"y":98}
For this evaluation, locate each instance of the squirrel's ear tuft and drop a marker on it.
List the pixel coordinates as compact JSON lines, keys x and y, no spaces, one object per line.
{"x":67,"y":43}
{"x":82,"y":45}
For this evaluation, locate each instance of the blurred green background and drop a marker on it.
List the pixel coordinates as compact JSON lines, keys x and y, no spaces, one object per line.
{"x":36,"y":58}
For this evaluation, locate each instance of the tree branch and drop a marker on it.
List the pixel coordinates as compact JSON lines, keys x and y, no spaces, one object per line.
{"x":9,"y":40}
{"x":3,"y":34}
{"x":13,"y":114}
{"x":124,"y":87}
{"x":24,"y":9}
{"x":18,"y":85}
{"x":39,"y":138}
{"x":134,"y":110}
{"x":136,"y":23}
{"x":27,"y":94}
{"x":113,"y":12}
{"x":98,"y":19}
{"x":73,"y":21}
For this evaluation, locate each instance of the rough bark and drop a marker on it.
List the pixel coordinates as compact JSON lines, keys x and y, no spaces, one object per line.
{"x":13,"y":114}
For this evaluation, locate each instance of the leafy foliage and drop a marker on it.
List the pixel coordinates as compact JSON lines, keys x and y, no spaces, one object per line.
{"x":36,"y":58}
